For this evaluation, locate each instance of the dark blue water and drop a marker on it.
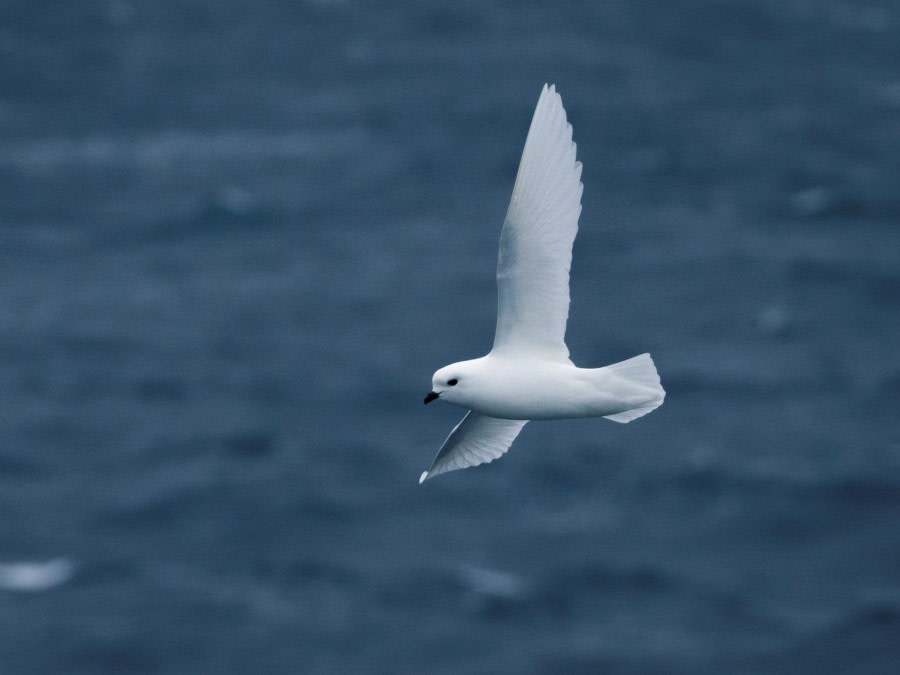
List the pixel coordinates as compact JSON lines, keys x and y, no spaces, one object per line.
{"x":236,"y":239}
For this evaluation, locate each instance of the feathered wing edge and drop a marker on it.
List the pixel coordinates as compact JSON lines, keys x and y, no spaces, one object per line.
{"x":536,"y":241}
{"x":477,"y":439}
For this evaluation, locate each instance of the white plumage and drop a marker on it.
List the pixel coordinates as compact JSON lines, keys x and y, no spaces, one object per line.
{"x":528,"y":375}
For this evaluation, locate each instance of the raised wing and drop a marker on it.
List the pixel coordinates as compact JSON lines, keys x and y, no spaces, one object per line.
{"x":475,"y":440}
{"x":536,"y":242}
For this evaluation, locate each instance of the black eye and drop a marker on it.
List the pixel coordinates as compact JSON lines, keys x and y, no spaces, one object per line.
{"x":452,"y":382}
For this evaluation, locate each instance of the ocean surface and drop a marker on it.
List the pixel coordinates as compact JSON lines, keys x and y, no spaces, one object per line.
{"x":236,"y":239}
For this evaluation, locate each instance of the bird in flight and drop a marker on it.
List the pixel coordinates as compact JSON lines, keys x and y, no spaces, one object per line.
{"x":528,"y":375}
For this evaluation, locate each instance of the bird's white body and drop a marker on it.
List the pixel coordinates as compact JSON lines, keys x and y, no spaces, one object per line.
{"x":537,"y":389}
{"x":528,"y":375}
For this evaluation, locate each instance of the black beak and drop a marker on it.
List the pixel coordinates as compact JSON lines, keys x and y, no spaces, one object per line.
{"x":431,"y":396}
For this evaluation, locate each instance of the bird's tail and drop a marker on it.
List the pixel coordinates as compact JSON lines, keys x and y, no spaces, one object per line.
{"x":641,"y":371}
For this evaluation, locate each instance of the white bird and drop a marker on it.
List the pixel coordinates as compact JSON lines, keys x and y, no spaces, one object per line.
{"x":528,"y":374}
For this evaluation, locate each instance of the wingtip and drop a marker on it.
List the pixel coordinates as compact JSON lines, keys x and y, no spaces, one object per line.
{"x":423,"y":477}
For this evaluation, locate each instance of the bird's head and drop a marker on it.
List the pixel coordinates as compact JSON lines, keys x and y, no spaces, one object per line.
{"x":451,"y":383}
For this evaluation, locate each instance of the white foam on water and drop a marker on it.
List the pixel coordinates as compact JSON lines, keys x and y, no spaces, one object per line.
{"x":33,"y":577}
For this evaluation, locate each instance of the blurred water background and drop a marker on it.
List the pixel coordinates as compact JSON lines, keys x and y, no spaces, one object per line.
{"x":237,"y":238}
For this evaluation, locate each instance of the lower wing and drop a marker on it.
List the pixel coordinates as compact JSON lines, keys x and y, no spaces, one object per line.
{"x":476,"y":440}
